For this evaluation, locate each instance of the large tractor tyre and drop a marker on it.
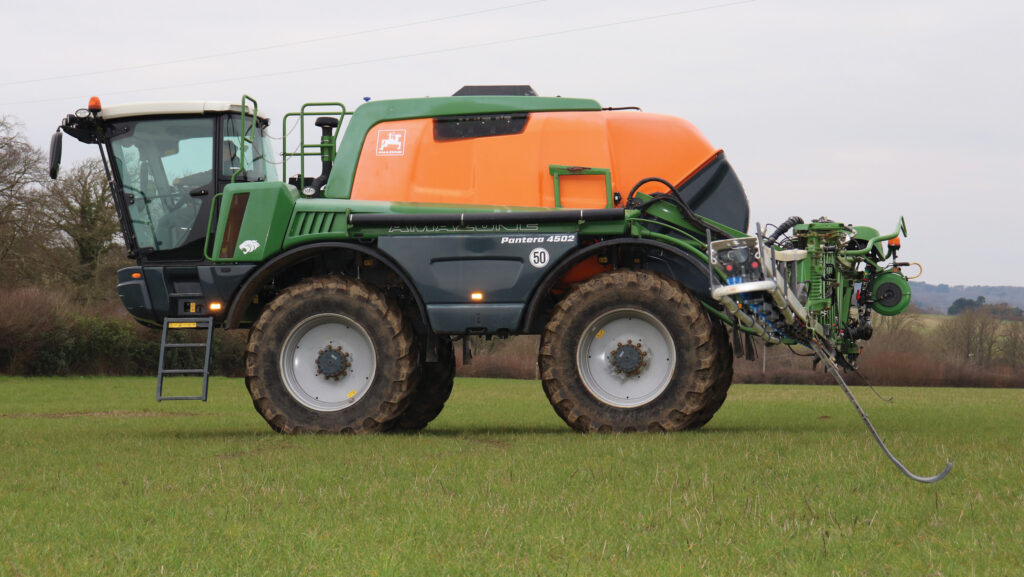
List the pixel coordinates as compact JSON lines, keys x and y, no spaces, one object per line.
{"x":432,"y":392}
{"x":723,"y":369}
{"x":633,"y":351}
{"x":331,"y":355}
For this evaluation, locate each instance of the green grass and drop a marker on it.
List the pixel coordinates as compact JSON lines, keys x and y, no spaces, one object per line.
{"x":98,"y":479}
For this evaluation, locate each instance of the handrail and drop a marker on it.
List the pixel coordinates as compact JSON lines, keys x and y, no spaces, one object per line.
{"x":559,"y":170}
{"x":248,"y":135}
{"x":319,"y":109}
{"x":901,"y":226}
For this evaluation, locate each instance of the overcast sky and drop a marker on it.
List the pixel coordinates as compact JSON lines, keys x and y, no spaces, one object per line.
{"x":860,"y":111}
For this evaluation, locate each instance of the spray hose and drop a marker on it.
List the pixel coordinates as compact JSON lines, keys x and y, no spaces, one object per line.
{"x":781,"y":229}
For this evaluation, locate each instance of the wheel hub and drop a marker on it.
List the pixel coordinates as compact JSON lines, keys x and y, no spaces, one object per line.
{"x":626,"y":357}
{"x":333,"y":363}
{"x":629,"y":359}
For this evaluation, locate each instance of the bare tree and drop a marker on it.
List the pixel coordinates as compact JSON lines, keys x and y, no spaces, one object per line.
{"x":1012,"y":344}
{"x":972,"y":335}
{"x":21,"y":165}
{"x":22,"y":172}
{"x":898,"y":327}
{"x":79,"y":209}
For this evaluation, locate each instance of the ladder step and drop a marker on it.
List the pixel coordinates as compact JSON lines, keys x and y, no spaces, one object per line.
{"x":184,"y":371}
{"x":185,"y":345}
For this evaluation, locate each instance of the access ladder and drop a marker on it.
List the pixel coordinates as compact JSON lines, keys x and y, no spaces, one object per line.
{"x":185,"y":323}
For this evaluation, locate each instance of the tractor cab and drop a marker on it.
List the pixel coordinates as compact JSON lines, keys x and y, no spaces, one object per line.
{"x":166,"y":161}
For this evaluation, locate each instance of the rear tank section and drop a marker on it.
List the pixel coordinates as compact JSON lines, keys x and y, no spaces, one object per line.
{"x":568,"y":159}
{"x":528,"y":151}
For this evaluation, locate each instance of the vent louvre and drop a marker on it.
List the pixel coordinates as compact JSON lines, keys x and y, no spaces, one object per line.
{"x":313,"y":222}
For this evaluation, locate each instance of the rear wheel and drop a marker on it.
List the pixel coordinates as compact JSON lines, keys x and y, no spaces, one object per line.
{"x":330,"y":355}
{"x":632,"y":350}
{"x":723,"y":370}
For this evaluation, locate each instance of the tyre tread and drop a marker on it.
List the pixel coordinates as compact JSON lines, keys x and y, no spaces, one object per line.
{"x":285,"y":419}
{"x":709,"y":379}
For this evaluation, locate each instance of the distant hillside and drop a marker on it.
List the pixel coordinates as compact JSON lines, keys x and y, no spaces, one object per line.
{"x":937,"y":298}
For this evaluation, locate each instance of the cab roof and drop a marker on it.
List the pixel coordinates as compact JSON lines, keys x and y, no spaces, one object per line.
{"x":171,"y":108}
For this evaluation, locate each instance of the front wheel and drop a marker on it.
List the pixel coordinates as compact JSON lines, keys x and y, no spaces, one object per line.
{"x":632,"y":350}
{"x":331,"y":355}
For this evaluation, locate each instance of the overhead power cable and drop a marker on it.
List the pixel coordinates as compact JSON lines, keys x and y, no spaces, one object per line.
{"x":404,"y":56}
{"x":271,"y":46}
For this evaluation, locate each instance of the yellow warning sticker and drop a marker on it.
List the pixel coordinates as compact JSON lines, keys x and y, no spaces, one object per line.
{"x":352,"y":393}
{"x":599,"y":334}
{"x":181,"y":325}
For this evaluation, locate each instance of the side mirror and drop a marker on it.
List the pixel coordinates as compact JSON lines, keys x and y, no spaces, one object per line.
{"x":55,"y":150}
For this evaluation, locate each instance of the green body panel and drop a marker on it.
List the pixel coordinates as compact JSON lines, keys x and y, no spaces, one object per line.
{"x":317,"y":220}
{"x":661,"y":215}
{"x":268,"y":210}
{"x":378,"y":232}
{"x":324,"y":219}
{"x":865,"y":233}
{"x":372,"y":113}
{"x":607,"y":228}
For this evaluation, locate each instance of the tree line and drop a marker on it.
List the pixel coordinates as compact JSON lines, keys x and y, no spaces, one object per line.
{"x":53,"y":233}
{"x":986,"y":335}
{"x":60,"y":248}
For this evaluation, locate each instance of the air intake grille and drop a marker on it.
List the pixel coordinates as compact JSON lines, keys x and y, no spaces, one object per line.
{"x":315,"y":222}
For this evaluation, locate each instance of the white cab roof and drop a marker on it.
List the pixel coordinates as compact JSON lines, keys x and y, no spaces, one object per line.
{"x":163,"y":108}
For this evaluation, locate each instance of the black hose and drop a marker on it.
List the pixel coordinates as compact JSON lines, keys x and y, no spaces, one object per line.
{"x":636,"y":187}
{"x":321,"y":180}
{"x":782,"y":228}
{"x":675,"y":198}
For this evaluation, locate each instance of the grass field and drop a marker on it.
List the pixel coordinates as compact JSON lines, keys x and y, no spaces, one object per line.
{"x":98,"y":479}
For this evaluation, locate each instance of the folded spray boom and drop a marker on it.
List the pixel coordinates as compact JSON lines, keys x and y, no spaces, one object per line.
{"x":818,"y":289}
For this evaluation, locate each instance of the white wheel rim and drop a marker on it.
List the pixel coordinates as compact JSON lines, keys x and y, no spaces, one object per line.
{"x":609,"y":364}
{"x":326,"y":338}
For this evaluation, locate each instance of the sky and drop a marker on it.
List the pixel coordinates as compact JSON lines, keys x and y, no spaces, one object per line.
{"x":858,"y":111}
